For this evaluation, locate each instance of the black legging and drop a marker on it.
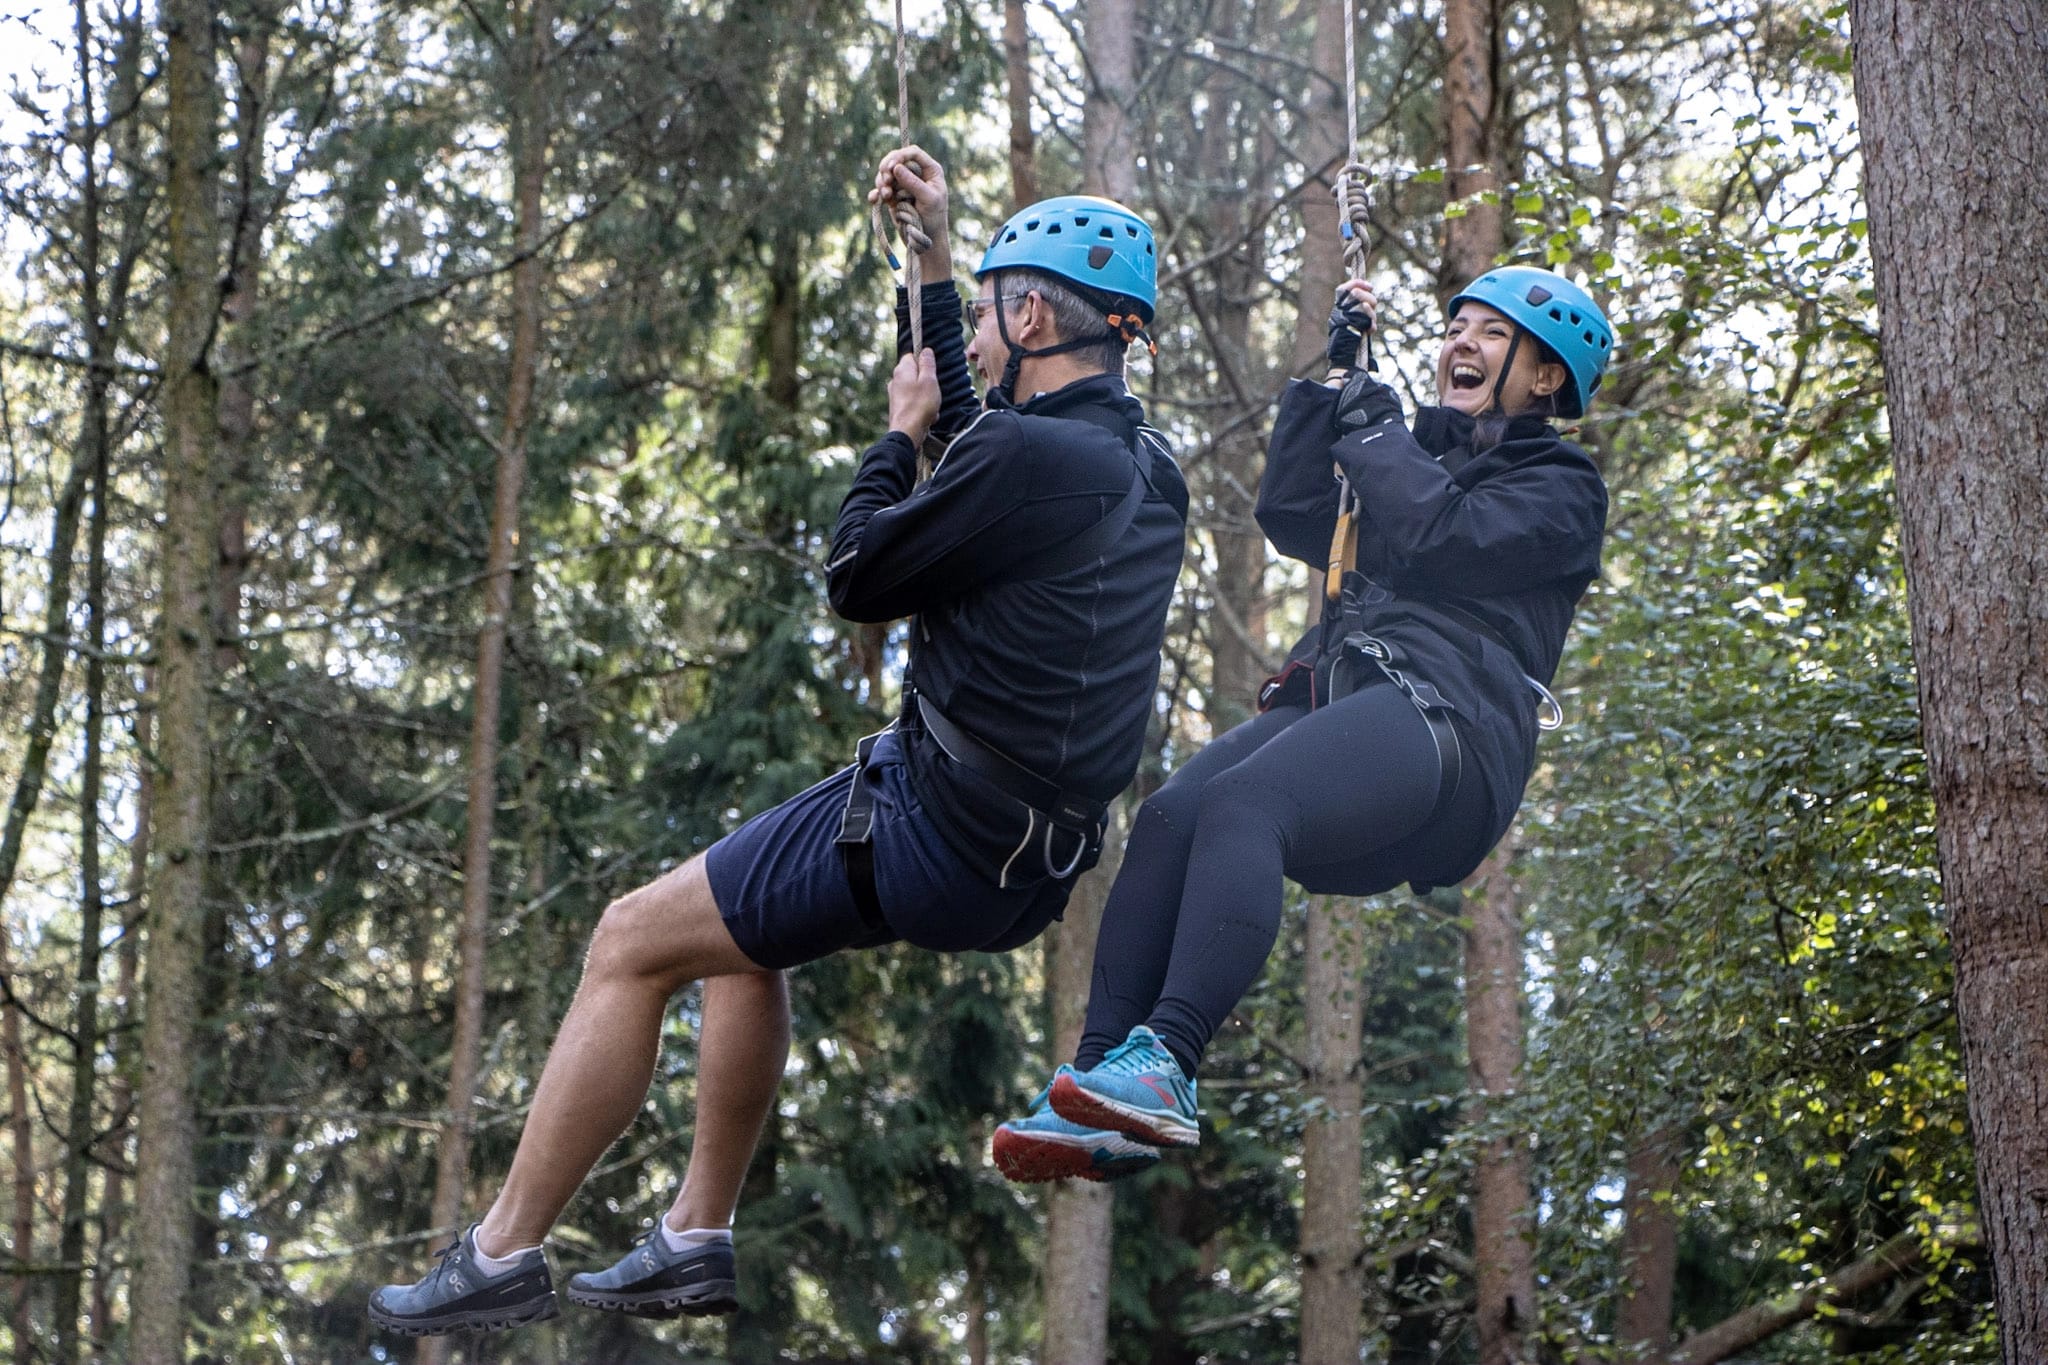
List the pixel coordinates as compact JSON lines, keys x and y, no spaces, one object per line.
{"x":1196,"y":907}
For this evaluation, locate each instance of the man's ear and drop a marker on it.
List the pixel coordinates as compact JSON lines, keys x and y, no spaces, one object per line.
{"x":1037,"y":329}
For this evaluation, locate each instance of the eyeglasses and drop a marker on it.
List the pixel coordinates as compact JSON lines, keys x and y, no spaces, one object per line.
{"x":977,"y":309}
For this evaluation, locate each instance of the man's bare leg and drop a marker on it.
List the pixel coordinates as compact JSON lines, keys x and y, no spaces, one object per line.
{"x":740,"y":1058}
{"x":650,"y":944}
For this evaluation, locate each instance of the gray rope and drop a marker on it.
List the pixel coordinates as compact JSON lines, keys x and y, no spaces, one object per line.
{"x":1354,"y":182}
{"x":909,"y":225}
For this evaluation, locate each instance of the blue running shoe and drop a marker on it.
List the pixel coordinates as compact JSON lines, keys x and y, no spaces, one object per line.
{"x":1043,"y":1146}
{"x":651,"y":1281}
{"x":1138,"y":1090}
{"x":455,"y":1296}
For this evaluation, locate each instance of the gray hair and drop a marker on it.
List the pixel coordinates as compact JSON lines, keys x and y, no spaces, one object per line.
{"x":1074,"y":315}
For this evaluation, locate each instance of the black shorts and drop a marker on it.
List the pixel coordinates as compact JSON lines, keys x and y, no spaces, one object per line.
{"x":780,"y":879}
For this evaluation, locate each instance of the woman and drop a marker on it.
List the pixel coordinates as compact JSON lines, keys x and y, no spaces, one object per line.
{"x":1396,"y":744}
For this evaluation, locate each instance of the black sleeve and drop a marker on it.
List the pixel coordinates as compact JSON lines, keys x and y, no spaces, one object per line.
{"x":1539,"y":520}
{"x":896,"y":551}
{"x":1297,"y":506}
{"x":945,"y":332}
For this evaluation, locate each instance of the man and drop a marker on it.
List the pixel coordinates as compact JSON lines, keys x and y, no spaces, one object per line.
{"x":1038,"y":560}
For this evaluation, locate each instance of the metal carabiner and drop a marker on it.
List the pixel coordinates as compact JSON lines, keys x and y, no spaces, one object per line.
{"x":1080,"y":851}
{"x":1549,"y":712}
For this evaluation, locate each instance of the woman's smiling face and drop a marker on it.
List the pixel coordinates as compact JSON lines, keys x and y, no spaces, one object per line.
{"x":1468,"y":365}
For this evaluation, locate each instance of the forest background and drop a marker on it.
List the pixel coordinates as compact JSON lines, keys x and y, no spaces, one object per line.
{"x":474,"y":577}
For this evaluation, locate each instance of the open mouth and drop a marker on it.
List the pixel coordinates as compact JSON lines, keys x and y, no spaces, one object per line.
{"x":1467,"y":376}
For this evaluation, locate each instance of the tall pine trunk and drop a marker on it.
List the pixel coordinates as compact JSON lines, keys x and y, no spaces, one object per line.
{"x":177,"y":888}
{"x":1332,"y":1230}
{"x":529,"y":155}
{"x":1503,"y":1253}
{"x":1077,"y":1235}
{"x":1017,"y":65}
{"x":1334,"y":995}
{"x":1470,"y":102}
{"x":1954,"y":108}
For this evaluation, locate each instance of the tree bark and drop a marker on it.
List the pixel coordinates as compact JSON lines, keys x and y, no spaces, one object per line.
{"x":1109,"y":165}
{"x":1470,"y":242}
{"x":1332,"y":1188}
{"x":1649,"y":1243}
{"x":529,"y":153}
{"x":1503,"y":1256}
{"x":1322,"y":146}
{"x":177,"y":910}
{"x":238,"y":308}
{"x":1077,"y":1233}
{"x":1077,"y":1220}
{"x":121,"y":1094}
{"x":78,"y":1134}
{"x":1017,"y":64}
{"x":1954,"y":108}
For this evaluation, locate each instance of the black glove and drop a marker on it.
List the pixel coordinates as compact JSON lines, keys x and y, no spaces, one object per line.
{"x":1348,"y":326}
{"x":1365,"y":402}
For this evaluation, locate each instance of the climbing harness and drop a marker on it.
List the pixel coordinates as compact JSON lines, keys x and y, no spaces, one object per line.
{"x":1049,"y":812}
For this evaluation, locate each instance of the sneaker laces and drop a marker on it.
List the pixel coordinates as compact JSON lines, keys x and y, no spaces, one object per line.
{"x":1136,"y":1055}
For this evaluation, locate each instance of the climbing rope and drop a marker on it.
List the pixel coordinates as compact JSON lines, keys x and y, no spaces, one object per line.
{"x":909,"y":225}
{"x":1354,"y":221}
{"x":1354,"y":182}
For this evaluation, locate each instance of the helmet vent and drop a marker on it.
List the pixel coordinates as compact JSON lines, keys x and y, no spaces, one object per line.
{"x":1538,"y":296}
{"x":1080,"y":220}
{"x":1108,"y":232}
{"x":1128,"y":229}
{"x":1053,"y":231}
{"x":1098,"y":257}
{"x":1031,"y":226}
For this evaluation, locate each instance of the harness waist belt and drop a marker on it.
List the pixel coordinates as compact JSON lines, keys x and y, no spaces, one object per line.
{"x":1069,"y":810}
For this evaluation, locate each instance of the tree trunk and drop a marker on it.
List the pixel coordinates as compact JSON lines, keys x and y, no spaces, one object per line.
{"x":238,"y":307}
{"x":1954,"y":108}
{"x":1322,"y":146}
{"x":1077,"y":1232}
{"x":1077,"y":1219}
{"x":78,"y":1134}
{"x":1332,"y":1235}
{"x":177,"y":910}
{"x":1503,"y":1256}
{"x":529,"y":154}
{"x":1109,"y":164}
{"x":121,"y":1094}
{"x":1649,"y":1244}
{"x":1470,"y":242}
{"x":1017,"y":63}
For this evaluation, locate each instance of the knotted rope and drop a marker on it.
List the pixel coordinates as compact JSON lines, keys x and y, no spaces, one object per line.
{"x":1354,"y":182}
{"x":909,"y":225}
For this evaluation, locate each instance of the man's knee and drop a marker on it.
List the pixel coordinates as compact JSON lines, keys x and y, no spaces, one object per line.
{"x":663,"y":931}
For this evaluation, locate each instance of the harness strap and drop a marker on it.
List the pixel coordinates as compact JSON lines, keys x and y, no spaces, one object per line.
{"x":1084,"y":546}
{"x":1436,"y":712}
{"x":1070,"y":811}
{"x":856,"y":838}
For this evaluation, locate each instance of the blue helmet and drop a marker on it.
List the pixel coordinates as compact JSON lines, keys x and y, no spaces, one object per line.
{"x":1097,"y":244}
{"x":1557,"y":313}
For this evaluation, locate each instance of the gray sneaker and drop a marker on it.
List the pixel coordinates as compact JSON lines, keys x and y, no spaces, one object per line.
{"x":455,"y":1296}
{"x":650,"y":1281}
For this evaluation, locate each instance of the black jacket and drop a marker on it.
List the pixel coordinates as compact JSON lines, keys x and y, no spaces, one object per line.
{"x":1510,"y":537}
{"x":1058,"y":674}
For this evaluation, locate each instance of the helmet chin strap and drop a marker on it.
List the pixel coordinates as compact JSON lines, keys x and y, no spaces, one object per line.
{"x":1007,"y":385}
{"x":1493,"y":405}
